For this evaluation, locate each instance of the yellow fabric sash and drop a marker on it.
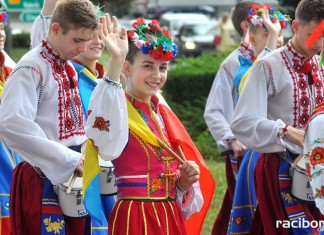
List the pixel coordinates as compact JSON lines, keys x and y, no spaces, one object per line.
{"x":139,"y":127}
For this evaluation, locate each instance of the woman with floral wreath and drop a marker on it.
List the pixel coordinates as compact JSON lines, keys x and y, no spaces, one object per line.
{"x":157,"y":188}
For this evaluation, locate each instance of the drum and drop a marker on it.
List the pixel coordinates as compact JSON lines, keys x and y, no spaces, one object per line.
{"x":300,"y":187}
{"x":107,"y":178}
{"x":71,"y":204}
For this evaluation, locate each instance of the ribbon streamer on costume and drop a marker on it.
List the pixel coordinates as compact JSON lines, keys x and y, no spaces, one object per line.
{"x":317,"y":33}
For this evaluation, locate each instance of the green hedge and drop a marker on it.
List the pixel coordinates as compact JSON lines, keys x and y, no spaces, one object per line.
{"x":191,"y":78}
{"x":21,"y":40}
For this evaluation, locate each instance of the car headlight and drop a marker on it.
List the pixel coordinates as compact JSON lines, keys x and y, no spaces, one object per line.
{"x":190,"y":45}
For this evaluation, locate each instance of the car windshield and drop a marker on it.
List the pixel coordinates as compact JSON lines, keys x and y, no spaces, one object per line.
{"x":197,"y":30}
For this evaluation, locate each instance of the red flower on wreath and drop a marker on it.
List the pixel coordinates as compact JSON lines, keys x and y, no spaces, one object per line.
{"x":130,"y":34}
{"x":166,"y":33}
{"x":317,"y":156}
{"x":3,"y":15}
{"x":138,"y":22}
{"x":101,"y":124}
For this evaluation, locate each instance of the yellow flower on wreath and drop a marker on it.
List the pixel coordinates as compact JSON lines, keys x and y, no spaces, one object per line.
{"x":317,"y":156}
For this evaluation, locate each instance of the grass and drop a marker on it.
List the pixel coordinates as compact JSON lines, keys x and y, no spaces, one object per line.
{"x":217,"y":168}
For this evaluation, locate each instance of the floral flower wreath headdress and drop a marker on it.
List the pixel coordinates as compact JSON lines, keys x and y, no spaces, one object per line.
{"x":255,"y":16}
{"x":3,"y":15}
{"x":162,"y":48}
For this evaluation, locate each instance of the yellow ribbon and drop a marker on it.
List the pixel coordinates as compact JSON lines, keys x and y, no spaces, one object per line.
{"x":139,"y":127}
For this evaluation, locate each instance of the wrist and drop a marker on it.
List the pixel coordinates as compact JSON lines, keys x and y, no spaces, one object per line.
{"x":283,"y":131}
{"x":181,"y":187}
{"x":111,"y":82}
{"x":231,"y":140}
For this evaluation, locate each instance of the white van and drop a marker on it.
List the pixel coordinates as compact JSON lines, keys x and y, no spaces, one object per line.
{"x":173,"y":21}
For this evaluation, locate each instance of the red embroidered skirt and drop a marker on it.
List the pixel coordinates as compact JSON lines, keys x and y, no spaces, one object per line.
{"x":26,"y":204}
{"x":134,"y":217}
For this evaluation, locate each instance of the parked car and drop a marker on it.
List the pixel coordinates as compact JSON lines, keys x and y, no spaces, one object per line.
{"x":174,"y":21}
{"x":155,"y":12}
{"x":196,"y":38}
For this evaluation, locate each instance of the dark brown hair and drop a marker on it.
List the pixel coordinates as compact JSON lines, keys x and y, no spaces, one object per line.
{"x":75,"y":14}
{"x":239,"y":14}
{"x":310,"y":10}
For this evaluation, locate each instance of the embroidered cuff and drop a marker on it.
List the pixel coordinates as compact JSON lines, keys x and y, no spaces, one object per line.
{"x":112,"y":83}
{"x":283,"y":131}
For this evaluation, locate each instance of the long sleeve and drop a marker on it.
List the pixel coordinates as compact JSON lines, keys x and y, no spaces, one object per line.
{"x":107,"y":123}
{"x":29,"y":127}
{"x":314,"y":153}
{"x":191,"y":202}
{"x":276,"y":93}
{"x":221,"y":103}
{"x":251,"y":123}
{"x":39,"y":31}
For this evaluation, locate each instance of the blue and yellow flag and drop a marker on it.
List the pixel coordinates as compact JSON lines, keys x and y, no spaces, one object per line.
{"x":91,"y":182}
{"x":91,"y":177}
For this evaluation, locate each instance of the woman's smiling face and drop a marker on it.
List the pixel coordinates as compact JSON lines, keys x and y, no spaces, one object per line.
{"x":146,"y":76}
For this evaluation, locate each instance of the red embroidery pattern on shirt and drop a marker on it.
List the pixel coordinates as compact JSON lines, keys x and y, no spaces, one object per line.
{"x":70,"y":110}
{"x":246,"y":51}
{"x":306,"y":96}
